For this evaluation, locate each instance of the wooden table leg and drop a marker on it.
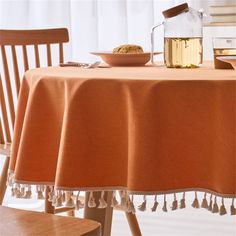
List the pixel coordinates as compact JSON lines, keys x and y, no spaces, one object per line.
{"x":49,"y":208}
{"x":72,"y":211}
{"x":104,"y":216}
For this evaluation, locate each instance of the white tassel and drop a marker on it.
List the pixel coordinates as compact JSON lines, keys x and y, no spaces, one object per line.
{"x":142,"y":207}
{"x":91,"y":201}
{"x":12,"y":191}
{"x":175,"y":203}
{"x":10,"y":179}
{"x":210,"y":207}
{"x":79,"y":204}
{"x":51,"y":194}
{"x":54,"y":200}
{"x":102,"y":202}
{"x":232,"y":208}
{"x":22,"y":191}
{"x":63,"y":196}
{"x":131,"y":207}
{"x":195,"y":203}
{"x":155,"y":204}
{"x":17,"y":191}
{"x":114,"y":201}
{"x":69,"y":200}
{"x":204,"y":202}
{"x":182,"y":202}
{"x":215,"y":206}
{"x":40,"y":195}
{"x":222,"y":208}
{"x":123,"y":200}
{"x":28,"y":193}
{"x":39,"y":192}
{"x":164,"y":208}
{"x":58,"y":202}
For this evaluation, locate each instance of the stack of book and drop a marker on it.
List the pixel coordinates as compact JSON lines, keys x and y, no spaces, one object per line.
{"x":223,"y":14}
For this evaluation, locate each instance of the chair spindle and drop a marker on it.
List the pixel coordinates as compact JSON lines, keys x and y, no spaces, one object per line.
{"x":16,"y":70}
{"x":49,"y":57}
{"x":4,"y":114}
{"x":25,"y":57}
{"x":36,"y":51}
{"x":8,"y":85}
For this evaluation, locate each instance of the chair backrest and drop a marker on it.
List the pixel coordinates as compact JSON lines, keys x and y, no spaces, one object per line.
{"x":24,"y":38}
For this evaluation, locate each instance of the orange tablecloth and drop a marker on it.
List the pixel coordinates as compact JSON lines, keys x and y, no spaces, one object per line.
{"x":148,"y":130}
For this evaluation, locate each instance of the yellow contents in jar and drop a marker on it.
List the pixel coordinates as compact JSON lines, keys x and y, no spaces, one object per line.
{"x":183,"y":52}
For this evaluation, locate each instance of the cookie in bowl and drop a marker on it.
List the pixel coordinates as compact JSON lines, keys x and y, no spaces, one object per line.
{"x":128,"y":48}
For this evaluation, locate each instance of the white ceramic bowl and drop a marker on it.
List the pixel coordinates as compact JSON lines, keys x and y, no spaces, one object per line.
{"x":125,"y":59}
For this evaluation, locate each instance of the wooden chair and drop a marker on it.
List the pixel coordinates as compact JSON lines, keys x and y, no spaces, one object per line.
{"x":23,"y":39}
{"x":27,"y":223}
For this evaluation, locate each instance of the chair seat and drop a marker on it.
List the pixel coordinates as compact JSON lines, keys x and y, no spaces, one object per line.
{"x":28,"y":223}
{"x":5,"y":149}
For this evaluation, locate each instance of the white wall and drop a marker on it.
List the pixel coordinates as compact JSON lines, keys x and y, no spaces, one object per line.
{"x":98,"y":25}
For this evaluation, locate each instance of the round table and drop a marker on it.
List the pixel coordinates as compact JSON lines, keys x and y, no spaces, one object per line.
{"x":141,"y":130}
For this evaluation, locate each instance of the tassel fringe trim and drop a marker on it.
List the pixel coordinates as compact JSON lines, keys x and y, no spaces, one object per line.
{"x":69,"y":198}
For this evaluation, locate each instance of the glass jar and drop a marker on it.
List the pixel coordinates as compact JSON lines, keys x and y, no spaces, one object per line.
{"x":182,"y":37}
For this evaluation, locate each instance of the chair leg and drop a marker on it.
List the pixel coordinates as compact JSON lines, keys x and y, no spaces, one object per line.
{"x":71,"y":213}
{"x":3,"y":179}
{"x":133,"y":224}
